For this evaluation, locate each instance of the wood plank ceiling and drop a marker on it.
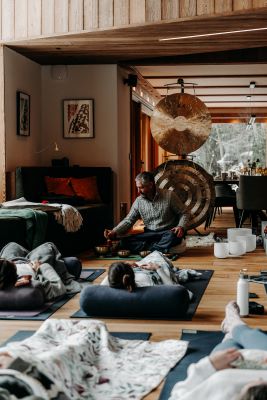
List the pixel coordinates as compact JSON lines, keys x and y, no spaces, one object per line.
{"x":222,"y":66}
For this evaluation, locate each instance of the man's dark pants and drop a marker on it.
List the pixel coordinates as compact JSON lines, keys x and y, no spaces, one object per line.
{"x":151,"y":240}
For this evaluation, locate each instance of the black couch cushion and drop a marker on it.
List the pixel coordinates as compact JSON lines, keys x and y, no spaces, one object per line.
{"x":160,"y":302}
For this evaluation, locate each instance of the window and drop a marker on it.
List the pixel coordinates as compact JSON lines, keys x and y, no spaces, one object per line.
{"x":230,"y":146}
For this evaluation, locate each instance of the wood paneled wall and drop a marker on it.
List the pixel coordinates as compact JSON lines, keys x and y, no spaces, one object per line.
{"x":2,"y":132}
{"x":20,"y":19}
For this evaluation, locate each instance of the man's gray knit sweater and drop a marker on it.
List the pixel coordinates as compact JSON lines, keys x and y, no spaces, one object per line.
{"x":164,"y":212}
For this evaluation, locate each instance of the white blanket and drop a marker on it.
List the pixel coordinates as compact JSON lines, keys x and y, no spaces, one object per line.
{"x":86,"y":362}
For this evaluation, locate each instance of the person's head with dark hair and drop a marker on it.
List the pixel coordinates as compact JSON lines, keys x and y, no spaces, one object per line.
{"x":8,"y":274}
{"x":145,"y":184}
{"x":121,"y":276}
{"x":254,"y":391}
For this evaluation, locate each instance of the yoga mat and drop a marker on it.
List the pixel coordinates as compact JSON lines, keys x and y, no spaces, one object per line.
{"x":198,"y":287}
{"x":90,"y":274}
{"x":133,"y":257}
{"x":201,"y":343}
{"x":36,"y":315}
{"x":21,"y":335}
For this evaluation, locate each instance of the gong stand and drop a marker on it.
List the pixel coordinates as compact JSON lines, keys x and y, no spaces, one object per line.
{"x":180,"y":124}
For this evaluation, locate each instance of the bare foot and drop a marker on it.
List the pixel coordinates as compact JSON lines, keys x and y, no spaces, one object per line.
{"x":232,"y":319}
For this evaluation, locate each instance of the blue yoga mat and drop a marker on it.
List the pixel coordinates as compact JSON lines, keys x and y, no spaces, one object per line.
{"x":90,"y":274}
{"x":37,"y":315}
{"x":21,"y":335}
{"x":201,"y":343}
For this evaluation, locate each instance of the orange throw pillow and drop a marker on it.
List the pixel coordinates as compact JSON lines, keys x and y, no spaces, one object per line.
{"x":86,"y":188}
{"x":59,"y":186}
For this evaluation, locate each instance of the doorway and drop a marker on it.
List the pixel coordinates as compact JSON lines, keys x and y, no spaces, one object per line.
{"x":145,"y":152}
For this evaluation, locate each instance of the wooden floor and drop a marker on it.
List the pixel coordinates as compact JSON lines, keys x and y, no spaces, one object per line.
{"x":221,"y":289}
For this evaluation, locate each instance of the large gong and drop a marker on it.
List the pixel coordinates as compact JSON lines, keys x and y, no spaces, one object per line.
{"x":192,"y":184}
{"x":180,"y":123}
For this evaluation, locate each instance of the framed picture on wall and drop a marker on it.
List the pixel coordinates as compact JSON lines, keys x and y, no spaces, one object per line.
{"x":23,"y":114}
{"x":78,"y":119}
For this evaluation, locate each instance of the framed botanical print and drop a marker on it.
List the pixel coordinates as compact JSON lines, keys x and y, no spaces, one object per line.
{"x":78,"y":119}
{"x":23,"y":114}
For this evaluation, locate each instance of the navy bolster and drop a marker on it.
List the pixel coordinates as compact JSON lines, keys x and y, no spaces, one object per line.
{"x":22,"y":298}
{"x":159,"y":302}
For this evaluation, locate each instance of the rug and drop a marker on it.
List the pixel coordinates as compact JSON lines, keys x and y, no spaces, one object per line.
{"x":200,"y":241}
{"x":198,"y":287}
{"x":90,"y":274}
{"x":201,"y":344}
{"x":21,"y":335}
{"x":36,"y":315}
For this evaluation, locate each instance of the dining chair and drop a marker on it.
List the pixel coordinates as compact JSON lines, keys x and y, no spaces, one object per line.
{"x":251,"y":198}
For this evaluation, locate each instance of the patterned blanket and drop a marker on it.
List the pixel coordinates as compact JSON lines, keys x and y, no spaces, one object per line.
{"x":85,"y":362}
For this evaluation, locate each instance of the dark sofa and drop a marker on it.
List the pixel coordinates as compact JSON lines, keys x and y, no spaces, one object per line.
{"x":30,"y":183}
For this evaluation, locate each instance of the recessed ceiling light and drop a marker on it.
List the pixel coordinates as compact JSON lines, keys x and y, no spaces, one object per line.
{"x":248,"y":97}
{"x":213,"y":34}
{"x":252,"y":85}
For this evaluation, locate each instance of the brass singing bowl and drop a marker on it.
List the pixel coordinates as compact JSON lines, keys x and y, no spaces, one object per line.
{"x":124,"y":253}
{"x":102,"y":250}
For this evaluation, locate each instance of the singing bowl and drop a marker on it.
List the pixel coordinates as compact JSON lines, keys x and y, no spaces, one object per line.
{"x":124,"y":253}
{"x":101,"y":250}
{"x":180,"y":123}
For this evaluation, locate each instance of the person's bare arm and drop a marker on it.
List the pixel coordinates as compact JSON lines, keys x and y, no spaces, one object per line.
{"x":166,"y":279}
{"x":222,"y":359}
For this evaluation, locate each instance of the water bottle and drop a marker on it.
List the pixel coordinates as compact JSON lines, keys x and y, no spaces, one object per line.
{"x":243,"y":293}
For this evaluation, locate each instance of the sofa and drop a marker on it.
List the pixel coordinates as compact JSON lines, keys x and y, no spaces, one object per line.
{"x":32,"y":183}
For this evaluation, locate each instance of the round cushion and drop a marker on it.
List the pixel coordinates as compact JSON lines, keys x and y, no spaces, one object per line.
{"x":159,"y":302}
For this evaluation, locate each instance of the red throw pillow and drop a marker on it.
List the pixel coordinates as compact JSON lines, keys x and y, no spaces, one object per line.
{"x":86,"y":188}
{"x":59,"y":186}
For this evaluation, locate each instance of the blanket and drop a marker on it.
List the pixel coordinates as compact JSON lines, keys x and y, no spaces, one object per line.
{"x":84,"y":361}
{"x":65,"y":214}
{"x":36,"y":224}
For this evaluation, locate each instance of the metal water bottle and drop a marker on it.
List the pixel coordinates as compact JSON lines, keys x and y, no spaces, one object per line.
{"x":243,"y":293}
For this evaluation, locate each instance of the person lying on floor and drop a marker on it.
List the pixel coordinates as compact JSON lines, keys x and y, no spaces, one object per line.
{"x":236,"y":369}
{"x":18,"y":267}
{"x":154,"y":269}
{"x":72,"y":359}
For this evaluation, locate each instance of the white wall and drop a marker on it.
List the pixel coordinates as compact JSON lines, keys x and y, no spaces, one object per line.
{"x":24,"y":75}
{"x":110,"y":146}
{"x":104,"y":84}
{"x":98,"y":82}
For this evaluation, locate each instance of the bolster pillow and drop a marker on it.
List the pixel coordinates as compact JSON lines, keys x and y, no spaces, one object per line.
{"x":22,"y":298}
{"x":159,"y":302}
{"x":73,"y":265}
